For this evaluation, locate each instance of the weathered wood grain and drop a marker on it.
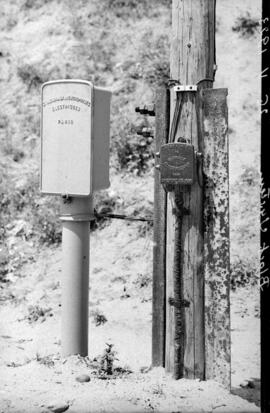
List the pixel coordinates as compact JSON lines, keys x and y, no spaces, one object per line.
{"x":192,"y":61}
{"x":216,"y":236}
{"x":159,"y":249}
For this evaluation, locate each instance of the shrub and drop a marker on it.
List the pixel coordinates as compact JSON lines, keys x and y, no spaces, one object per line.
{"x":105,"y":203}
{"x":154,"y":57}
{"x":98,"y":317}
{"x":37,"y":313}
{"x":45,"y":360}
{"x":243,"y":273}
{"x":143,"y":280}
{"x":134,"y":8}
{"x":31,"y":75}
{"x":46,"y":224}
{"x":4,"y":261}
{"x":34,"y":74}
{"x":34,"y":4}
{"x":134,"y":154}
{"x":107,"y":359}
{"x":246,"y":25}
{"x":250,"y":176}
{"x":144,"y":227}
{"x":25,"y":204}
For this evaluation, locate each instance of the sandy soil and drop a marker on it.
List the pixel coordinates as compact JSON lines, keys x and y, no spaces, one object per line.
{"x":34,"y":376}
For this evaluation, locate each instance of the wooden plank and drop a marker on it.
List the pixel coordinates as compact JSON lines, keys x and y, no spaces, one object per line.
{"x":216,"y":236}
{"x":192,"y":61}
{"x":159,"y":249}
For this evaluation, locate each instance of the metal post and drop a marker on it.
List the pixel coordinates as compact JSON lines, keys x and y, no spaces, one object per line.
{"x":75,"y":215}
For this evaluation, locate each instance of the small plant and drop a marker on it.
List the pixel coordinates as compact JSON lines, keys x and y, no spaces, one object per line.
{"x":155,"y":59}
{"x":46,"y":225}
{"x":45,"y":360}
{"x":143,"y":280}
{"x":158,"y":390}
{"x":243,"y":273}
{"x":103,"y":366}
{"x":4,"y":261}
{"x":107,"y":360}
{"x":246,"y":25}
{"x":133,"y":8}
{"x":98,"y":317}
{"x":34,"y":4}
{"x":134,"y":153}
{"x":37,"y":313}
{"x":250,"y":176}
{"x":30,"y":75}
{"x":144,"y":228}
{"x":127,"y":8}
{"x":105,"y":203}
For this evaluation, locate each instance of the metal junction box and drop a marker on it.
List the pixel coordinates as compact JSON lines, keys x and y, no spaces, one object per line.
{"x":75,"y":130}
{"x":177,"y":164}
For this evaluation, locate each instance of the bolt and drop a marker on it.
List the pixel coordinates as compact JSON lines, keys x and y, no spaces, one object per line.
{"x":150,"y":111}
{"x":145,"y":132}
{"x":157,"y":167}
{"x":157,"y":154}
{"x":66,"y":199}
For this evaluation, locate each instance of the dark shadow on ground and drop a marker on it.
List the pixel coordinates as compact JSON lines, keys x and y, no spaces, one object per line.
{"x":250,"y":391}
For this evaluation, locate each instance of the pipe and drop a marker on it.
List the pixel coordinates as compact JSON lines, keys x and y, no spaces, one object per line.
{"x":75,"y":275}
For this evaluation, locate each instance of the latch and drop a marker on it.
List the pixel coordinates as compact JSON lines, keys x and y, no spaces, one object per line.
{"x":177,"y":164}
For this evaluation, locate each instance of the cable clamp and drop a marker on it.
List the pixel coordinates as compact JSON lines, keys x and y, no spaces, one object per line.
{"x":77,"y":217}
{"x":185,"y":88}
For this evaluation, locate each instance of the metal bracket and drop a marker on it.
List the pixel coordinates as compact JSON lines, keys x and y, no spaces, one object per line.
{"x":77,"y":217}
{"x":67,"y":199}
{"x":185,"y":88}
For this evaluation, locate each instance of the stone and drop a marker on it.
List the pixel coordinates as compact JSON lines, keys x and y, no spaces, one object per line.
{"x":58,"y":407}
{"x":83,"y":378}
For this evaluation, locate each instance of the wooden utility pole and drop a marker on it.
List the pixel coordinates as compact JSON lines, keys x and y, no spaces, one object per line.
{"x":196,"y":233}
{"x":192,"y":63}
{"x":159,"y":250}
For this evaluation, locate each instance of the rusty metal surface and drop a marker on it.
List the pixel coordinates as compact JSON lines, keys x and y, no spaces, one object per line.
{"x":177,"y":164}
{"x":216,"y":236}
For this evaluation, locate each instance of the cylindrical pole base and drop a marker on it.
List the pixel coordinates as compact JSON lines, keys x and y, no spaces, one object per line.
{"x":75,"y":287}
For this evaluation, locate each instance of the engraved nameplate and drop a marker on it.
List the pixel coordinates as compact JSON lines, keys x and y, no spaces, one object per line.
{"x":177,"y":164}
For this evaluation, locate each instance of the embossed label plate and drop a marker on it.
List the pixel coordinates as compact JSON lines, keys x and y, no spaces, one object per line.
{"x":177,"y":164}
{"x":66,"y":129}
